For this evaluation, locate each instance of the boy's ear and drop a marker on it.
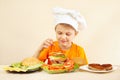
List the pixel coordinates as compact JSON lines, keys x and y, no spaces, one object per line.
{"x":76,"y":33}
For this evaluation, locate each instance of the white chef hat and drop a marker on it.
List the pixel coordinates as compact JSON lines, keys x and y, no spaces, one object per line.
{"x":71,"y":17}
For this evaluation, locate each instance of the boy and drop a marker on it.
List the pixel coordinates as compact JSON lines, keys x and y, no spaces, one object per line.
{"x":67,"y":25}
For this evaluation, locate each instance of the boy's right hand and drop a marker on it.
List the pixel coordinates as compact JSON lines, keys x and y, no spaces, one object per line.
{"x":47,"y":43}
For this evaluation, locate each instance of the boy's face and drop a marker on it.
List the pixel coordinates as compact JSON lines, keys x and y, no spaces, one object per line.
{"x":65,"y":35}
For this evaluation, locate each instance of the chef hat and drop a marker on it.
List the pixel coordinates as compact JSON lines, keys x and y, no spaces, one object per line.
{"x":71,"y":17}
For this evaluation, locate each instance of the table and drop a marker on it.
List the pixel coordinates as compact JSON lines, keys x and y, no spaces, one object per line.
{"x":78,"y":75}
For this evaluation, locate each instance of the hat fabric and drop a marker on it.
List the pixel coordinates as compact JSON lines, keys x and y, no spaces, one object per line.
{"x":70,"y":17}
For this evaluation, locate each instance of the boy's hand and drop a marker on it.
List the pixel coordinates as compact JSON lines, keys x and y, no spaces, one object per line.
{"x":47,"y":43}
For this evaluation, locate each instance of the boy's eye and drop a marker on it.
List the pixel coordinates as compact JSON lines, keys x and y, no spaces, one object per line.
{"x":68,"y":34}
{"x":59,"y":33}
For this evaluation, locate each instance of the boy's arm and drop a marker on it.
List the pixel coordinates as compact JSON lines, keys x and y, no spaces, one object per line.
{"x":45,"y":44}
{"x":36,"y":54}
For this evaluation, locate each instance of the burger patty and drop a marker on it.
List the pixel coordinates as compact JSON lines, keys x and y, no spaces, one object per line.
{"x":95,"y":66}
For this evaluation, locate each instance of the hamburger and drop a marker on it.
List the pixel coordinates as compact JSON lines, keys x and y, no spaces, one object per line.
{"x":57,"y":58}
{"x":30,"y":61}
{"x":59,"y":63}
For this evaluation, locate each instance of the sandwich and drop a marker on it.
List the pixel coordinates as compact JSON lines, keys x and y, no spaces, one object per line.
{"x":57,"y":58}
{"x":59,"y":64}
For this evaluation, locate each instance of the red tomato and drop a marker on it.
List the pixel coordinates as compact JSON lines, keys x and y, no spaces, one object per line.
{"x":69,"y":64}
{"x":56,"y":67}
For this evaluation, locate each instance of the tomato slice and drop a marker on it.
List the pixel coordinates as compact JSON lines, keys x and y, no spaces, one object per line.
{"x":69,"y":64}
{"x":56,"y":67}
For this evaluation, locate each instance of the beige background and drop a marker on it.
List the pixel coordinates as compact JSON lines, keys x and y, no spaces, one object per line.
{"x":24,"y":24}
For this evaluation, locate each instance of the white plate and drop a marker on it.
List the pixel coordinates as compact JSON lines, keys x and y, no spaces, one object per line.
{"x":85,"y":67}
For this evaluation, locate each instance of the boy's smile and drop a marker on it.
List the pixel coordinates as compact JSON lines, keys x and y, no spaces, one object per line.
{"x":65,"y":35}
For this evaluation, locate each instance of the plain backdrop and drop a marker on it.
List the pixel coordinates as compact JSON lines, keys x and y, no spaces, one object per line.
{"x":25,"y":24}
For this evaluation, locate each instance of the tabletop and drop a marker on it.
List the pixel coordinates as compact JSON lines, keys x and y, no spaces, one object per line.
{"x":42,"y":75}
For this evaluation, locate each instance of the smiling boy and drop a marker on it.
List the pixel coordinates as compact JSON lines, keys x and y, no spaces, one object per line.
{"x":67,"y":25}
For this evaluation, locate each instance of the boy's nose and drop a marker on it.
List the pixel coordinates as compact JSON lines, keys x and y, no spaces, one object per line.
{"x":63,"y":36}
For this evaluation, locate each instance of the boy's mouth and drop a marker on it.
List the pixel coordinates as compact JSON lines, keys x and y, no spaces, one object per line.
{"x":63,"y":41}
